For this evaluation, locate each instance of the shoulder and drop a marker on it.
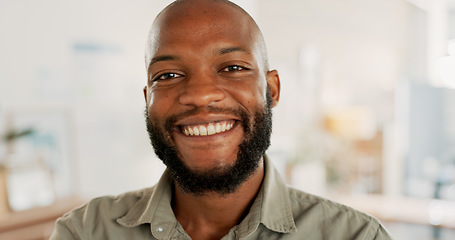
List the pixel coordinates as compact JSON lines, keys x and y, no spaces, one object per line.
{"x":109,"y":206}
{"x":102,"y":210}
{"x":302,"y":201}
{"x":323,"y":218}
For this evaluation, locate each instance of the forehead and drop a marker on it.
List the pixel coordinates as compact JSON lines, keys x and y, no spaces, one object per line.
{"x":199,"y":26}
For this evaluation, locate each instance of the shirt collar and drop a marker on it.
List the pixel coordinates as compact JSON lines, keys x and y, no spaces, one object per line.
{"x":276,"y":207}
{"x":271,"y":207}
{"x":154,"y":207}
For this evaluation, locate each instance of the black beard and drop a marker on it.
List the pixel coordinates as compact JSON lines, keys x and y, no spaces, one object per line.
{"x":223,"y":180}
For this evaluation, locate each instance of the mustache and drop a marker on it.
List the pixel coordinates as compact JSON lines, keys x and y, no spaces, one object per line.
{"x":171,"y":120}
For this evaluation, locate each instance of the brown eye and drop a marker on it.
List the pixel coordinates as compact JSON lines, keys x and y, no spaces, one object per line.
{"x":167,"y":76}
{"x":233,"y":68}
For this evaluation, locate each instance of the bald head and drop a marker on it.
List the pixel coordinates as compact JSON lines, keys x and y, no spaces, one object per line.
{"x":204,"y":18}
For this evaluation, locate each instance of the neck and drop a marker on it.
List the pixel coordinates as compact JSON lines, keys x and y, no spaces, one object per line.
{"x":212,"y":215}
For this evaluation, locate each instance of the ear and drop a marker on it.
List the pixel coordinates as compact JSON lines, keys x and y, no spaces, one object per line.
{"x":273,"y":82}
{"x":145,"y":94}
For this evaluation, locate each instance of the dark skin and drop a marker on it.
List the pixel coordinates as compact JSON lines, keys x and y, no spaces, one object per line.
{"x":208,"y":54}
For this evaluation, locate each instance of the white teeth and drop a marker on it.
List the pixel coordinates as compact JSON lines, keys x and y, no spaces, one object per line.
{"x":202,"y":131}
{"x":209,"y":129}
{"x":196,"y":131}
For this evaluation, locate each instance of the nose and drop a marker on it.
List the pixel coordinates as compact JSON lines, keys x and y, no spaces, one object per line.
{"x":201,"y":91}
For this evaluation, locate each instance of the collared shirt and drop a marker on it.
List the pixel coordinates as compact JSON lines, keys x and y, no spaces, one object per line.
{"x":278,"y":212}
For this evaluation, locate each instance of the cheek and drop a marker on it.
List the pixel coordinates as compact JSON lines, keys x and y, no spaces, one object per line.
{"x":153,"y":96}
{"x":158,"y":103}
{"x":251,"y":96}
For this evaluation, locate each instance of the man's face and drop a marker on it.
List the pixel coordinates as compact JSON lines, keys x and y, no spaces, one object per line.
{"x":206,"y":91}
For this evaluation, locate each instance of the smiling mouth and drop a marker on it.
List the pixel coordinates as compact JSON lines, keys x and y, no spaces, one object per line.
{"x":207,"y":129}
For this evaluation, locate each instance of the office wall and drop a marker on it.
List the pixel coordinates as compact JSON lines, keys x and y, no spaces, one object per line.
{"x":351,"y":46}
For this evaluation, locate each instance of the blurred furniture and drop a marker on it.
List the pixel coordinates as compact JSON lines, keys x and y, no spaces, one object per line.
{"x":36,"y":223}
{"x":356,"y":164}
{"x":4,"y":205}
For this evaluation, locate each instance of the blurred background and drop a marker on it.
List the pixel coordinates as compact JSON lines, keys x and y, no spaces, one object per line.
{"x":365,"y":118}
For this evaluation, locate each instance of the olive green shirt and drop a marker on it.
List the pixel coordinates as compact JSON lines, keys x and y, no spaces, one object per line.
{"x":278,"y":212}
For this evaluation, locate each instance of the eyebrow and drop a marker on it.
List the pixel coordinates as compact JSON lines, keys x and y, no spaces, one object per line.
{"x":163,"y":58}
{"x":232,"y":49}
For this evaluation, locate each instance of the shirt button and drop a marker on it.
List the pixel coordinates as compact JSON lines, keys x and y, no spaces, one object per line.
{"x":160,"y":229}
